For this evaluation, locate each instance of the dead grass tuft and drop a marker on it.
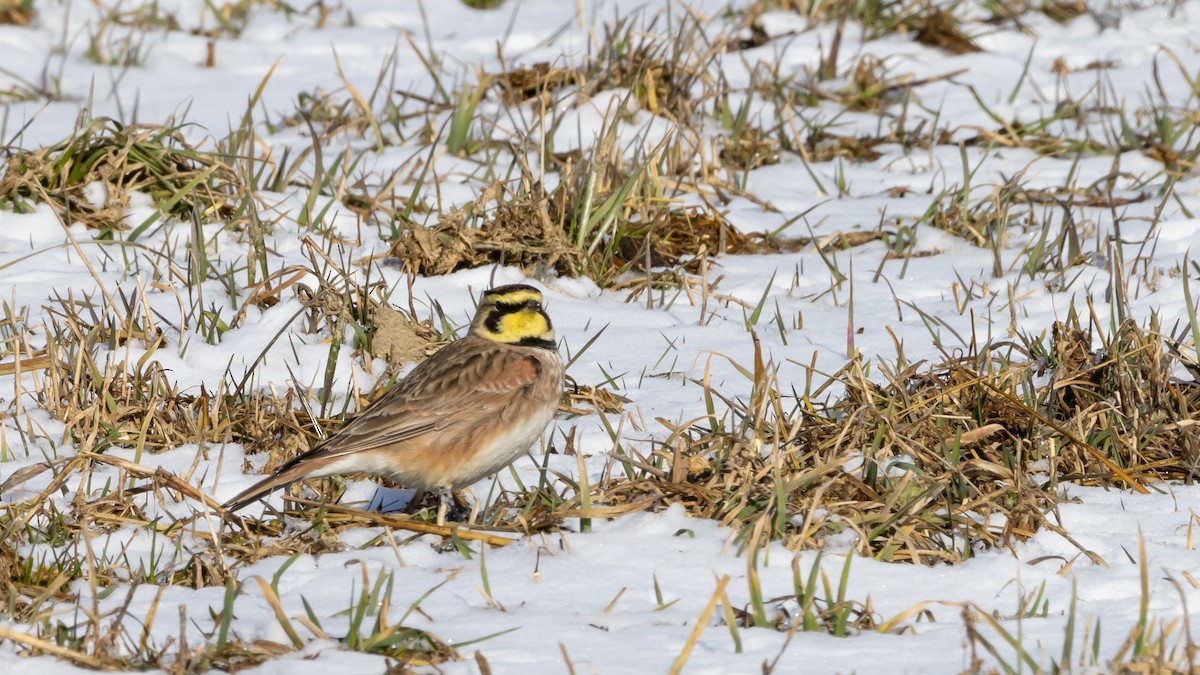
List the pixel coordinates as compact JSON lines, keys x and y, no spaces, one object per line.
{"x":521,"y":232}
{"x":536,"y":81}
{"x":1063,"y":11}
{"x":936,"y":27}
{"x":826,"y":147}
{"x":90,"y":176}
{"x":750,"y":149}
{"x":682,"y":237}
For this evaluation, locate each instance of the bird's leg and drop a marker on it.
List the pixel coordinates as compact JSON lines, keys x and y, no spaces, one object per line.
{"x":454,"y":506}
{"x":445,"y":499}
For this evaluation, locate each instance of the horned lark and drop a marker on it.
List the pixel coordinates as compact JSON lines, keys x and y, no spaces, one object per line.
{"x":465,"y":412}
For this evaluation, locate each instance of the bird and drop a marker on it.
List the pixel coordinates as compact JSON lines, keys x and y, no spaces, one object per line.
{"x":469,"y":410}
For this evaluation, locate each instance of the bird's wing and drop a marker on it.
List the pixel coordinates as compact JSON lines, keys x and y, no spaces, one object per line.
{"x":436,"y":394}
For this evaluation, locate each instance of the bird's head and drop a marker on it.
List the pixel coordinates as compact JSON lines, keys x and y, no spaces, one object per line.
{"x":513,"y":314}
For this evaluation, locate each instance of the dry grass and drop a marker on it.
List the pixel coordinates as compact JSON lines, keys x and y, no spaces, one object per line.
{"x":525,"y":226}
{"x":937,"y":27}
{"x":104,"y":398}
{"x":520,"y":232}
{"x":90,"y":176}
{"x":537,"y":81}
{"x":16,"y":12}
{"x":937,"y":464}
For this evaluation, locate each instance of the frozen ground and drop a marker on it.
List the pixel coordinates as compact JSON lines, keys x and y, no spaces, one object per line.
{"x":588,"y":601}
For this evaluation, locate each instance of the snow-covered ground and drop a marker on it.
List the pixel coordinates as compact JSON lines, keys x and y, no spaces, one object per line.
{"x":627,"y":596}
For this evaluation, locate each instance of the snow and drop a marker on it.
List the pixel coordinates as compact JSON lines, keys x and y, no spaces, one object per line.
{"x":590,"y":597}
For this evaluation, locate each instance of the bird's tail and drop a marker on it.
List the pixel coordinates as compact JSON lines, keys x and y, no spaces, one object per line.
{"x":288,"y":474}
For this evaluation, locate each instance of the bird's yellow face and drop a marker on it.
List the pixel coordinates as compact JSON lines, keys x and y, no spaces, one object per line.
{"x":514,"y":315}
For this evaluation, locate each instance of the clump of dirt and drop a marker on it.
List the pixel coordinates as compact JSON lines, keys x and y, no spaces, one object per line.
{"x":399,"y":339}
